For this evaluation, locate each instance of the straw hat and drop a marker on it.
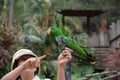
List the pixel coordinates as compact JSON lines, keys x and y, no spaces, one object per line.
{"x":18,"y":54}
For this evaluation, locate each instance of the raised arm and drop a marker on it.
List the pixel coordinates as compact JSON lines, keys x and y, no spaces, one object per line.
{"x":63,"y":58}
{"x":28,"y":64}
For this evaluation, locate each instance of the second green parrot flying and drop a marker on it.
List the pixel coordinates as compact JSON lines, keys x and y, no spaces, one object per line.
{"x":56,"y":33}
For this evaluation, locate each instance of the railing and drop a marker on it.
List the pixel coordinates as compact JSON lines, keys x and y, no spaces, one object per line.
{"x":109,"y":75}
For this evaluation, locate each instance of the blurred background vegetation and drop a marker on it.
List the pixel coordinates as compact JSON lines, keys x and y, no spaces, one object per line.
{"x":26,"y":28}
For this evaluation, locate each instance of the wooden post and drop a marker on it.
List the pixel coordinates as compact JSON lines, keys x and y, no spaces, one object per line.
{"x":102,"y":40}
{"x":68,"y":71}
{"x":118,"y":27}
{"x":10,"y":20}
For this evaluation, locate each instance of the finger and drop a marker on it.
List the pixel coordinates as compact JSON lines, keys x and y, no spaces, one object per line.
{"x":32,"y":60}
{"x":66,"y":48}
{"x":69,"y":57}
{"x":42,"y":57}
{"x":66,"y":52}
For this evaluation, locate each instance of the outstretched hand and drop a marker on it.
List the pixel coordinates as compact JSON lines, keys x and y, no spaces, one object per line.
{"x":64,"y":57}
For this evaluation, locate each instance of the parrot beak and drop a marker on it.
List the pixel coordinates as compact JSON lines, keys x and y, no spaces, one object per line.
{"x":92,"y":62}
{"x":49,"y":30}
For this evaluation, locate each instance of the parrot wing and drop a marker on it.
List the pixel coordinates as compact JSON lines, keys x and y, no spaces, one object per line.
{"x":72,"y":44}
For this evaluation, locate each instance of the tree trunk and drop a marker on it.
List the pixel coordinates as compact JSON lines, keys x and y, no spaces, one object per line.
{"x":10,"y":22}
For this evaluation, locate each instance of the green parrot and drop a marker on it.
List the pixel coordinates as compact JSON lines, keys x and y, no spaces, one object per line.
{"x":71,"y":43}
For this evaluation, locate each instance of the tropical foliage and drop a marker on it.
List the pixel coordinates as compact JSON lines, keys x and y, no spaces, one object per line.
{"x":8,"y":37}
{"x":31,"y":20}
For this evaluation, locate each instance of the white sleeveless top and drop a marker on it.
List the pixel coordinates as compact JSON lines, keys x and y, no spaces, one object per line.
{"x":36,"y":78}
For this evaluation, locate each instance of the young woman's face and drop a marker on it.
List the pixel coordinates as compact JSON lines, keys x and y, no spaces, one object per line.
{"x":28,"y":73}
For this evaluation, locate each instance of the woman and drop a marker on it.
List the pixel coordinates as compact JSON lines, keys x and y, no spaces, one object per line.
{"x":25,"y":65}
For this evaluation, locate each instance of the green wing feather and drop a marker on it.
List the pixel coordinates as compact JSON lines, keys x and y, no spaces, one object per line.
{"x":72,"y":44}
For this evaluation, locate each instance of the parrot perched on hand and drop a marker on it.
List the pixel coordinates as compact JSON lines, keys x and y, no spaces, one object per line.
{"x":71,"y":43}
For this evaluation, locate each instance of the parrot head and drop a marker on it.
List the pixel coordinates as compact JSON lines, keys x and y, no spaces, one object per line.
{"x":54,"y":31}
